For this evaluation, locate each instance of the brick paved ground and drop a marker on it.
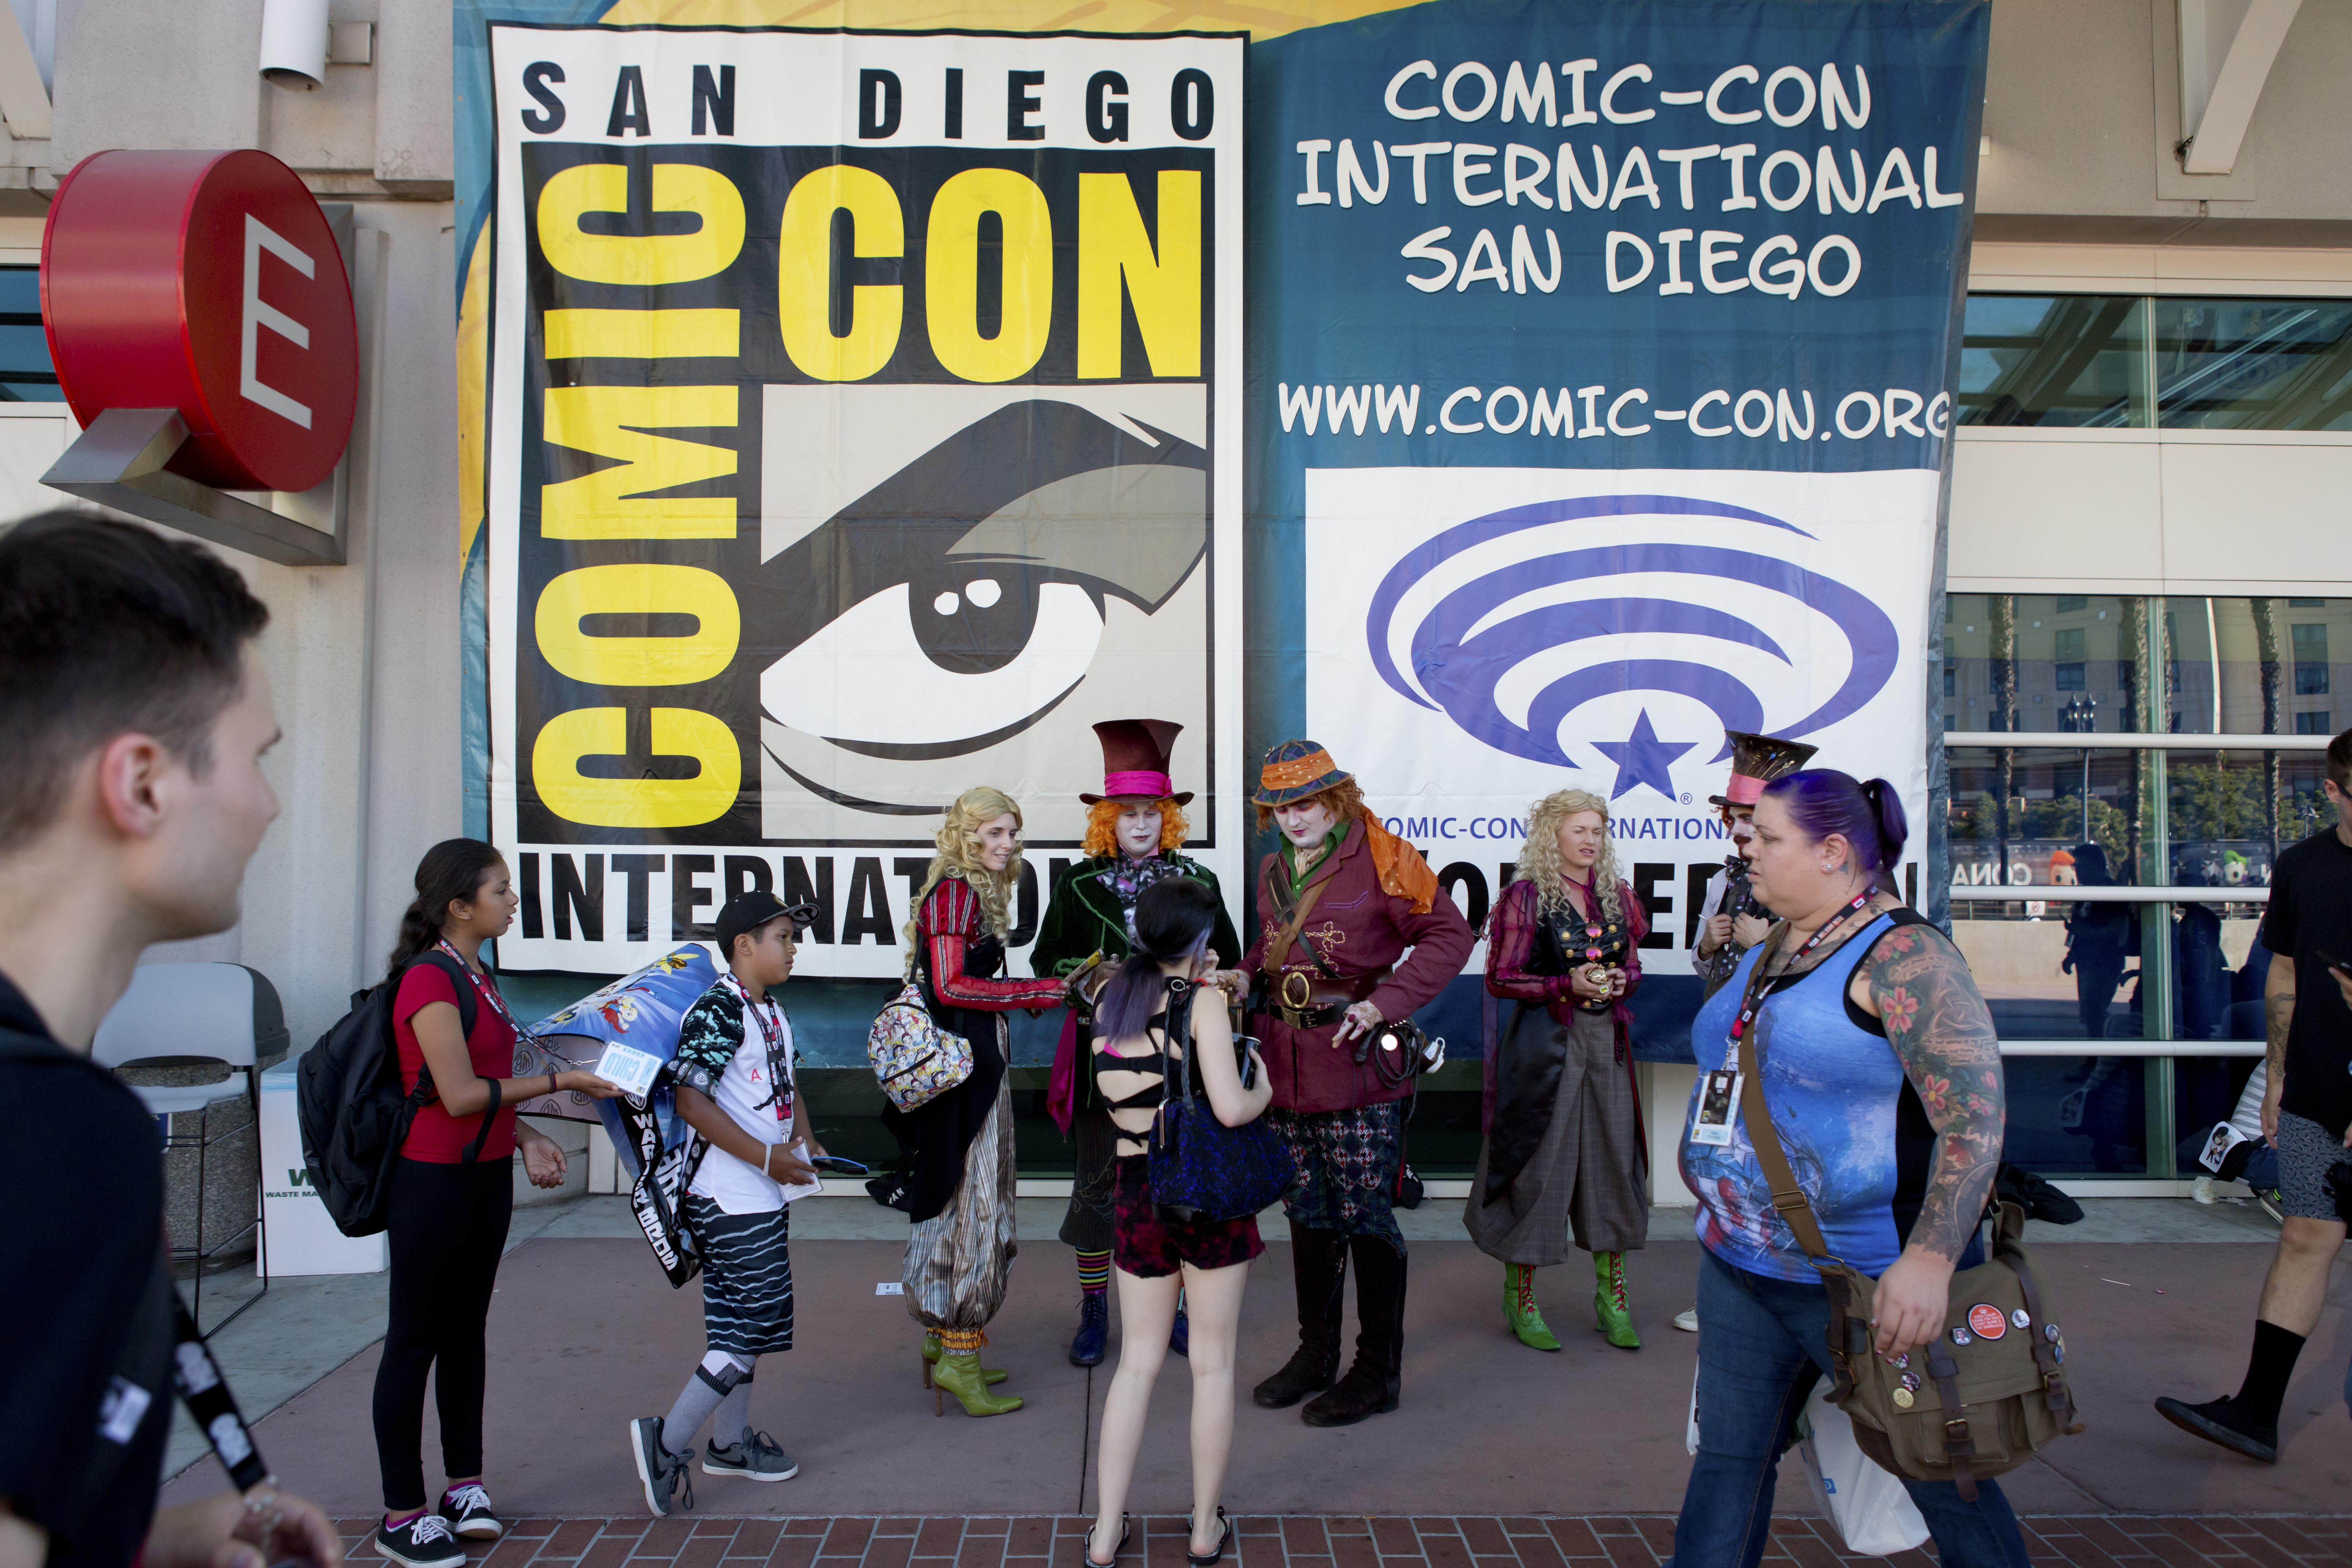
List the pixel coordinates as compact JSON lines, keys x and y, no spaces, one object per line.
{"x":2083,"y":1542}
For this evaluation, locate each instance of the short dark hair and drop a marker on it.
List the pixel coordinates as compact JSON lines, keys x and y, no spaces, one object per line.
{"x":2339,"y":761}
{"x":105,"y":627}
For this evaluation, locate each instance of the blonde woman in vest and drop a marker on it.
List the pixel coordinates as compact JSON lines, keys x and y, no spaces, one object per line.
{"x":959,"y":1192}
{"x":1563,"y":1154}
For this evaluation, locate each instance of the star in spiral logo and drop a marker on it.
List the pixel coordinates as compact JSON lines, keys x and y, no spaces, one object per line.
{"x":1643,"y":759}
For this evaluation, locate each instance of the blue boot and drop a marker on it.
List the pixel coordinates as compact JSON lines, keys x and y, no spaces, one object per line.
{"x":1094,"y":1330}
{"x":1180,"y":1334}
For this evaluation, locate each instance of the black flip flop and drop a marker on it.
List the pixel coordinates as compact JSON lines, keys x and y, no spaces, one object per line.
{"x":1198,"y":1561}
{"x":1087,"y":1551}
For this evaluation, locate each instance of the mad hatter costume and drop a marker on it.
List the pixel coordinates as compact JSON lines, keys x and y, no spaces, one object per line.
{"x":1756,"y":761}
{"x":1093,"y":909}
{"x":1356,"y":919}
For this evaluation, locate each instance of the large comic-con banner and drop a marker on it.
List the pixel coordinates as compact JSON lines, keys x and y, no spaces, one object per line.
{"x":864,"y":411}
{"x":1601,"y":354}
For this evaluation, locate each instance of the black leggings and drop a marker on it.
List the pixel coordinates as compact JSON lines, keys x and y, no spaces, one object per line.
{"x":448,"y":1226}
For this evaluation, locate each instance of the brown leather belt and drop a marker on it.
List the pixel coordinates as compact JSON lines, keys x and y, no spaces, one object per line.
{"x":1305,"y":1000}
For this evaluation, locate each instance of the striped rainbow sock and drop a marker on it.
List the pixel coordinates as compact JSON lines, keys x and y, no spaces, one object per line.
{"x":1094,"y":1273}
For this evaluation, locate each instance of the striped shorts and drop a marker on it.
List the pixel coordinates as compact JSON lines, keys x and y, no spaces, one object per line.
{"x":747,"y":1278}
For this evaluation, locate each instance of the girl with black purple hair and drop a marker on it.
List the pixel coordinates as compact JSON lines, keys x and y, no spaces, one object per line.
{"x":1879,"y":1065}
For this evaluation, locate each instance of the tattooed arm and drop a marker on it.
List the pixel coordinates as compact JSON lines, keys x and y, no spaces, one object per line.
{"x":2278,"y":1017}
{"x":1918,"y":986}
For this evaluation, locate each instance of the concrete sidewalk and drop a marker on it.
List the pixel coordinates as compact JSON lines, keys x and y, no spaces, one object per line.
{"x":585,"y":1334}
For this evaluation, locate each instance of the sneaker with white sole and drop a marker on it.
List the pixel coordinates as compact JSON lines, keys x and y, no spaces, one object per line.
{"x":424,"y":1541}
{"x":2202,"y":1191}
{"x":663,"y":1472}
{"x":756,"y":1458}
{"x":1687,"y":1322}
{"x":468,"y":1509}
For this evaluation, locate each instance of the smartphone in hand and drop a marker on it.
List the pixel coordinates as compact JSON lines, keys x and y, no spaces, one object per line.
{"x":839,"y":1165}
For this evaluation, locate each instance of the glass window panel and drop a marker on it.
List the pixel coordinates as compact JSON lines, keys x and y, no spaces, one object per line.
{"x":25,"y":373}
{"x":2311,"y":724}
{"x":2053,"y":361}
{"x":2077,"y":1116}
{"x":2254,"y":365}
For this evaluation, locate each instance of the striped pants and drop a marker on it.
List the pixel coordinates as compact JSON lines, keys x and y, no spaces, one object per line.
{"x":747,"y":1278}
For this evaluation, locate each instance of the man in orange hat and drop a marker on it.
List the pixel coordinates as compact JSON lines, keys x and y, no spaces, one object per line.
{"x":1354,"y":934}
{"x":1133,"y":831}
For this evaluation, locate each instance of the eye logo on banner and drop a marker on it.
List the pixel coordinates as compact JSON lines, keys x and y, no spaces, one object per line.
{"x":1504,"y":641}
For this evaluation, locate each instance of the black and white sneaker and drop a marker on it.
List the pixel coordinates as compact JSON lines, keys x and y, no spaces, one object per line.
{"x":424,"y":1541}
{"x":663,"y":1472}
{"x":468,"y":1509}
{"x":756,"y":1458}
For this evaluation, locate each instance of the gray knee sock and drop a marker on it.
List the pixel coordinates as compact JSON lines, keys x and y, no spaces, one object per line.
{"x":711,"y":1386}
{"x":733,"y":1421}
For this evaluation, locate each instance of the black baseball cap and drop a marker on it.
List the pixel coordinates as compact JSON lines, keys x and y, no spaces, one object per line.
{"x":749,"y":910}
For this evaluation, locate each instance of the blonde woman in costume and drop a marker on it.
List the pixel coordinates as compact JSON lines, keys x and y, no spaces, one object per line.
{"x":1563,"y":1152}
{"x":959,"y":1192}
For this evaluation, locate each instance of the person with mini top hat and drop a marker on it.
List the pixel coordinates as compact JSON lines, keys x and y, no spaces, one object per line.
{"x":1134,"y":829}
{"x":1354,"y":934}
{"x":735,"y":1085}
{"x":1563,"y":1153}
{"x":1730,"y":919}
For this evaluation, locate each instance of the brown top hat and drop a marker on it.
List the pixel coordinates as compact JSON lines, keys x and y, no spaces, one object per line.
{"x":1135,"y":761}
{"x":1756,"y":761}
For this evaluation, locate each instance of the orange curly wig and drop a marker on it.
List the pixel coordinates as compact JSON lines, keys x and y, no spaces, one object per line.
{"x":1102,"y":827}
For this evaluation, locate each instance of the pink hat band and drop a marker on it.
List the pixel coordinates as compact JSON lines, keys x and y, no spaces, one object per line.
{"x":1140,"y":782}
{"x":1743,"y":789}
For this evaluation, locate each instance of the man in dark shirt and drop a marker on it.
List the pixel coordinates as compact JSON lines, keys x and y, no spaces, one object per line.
{"x":134,"y":716}
{"x":2306,"y":1114}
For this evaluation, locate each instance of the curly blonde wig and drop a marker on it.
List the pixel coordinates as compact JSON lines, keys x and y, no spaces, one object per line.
{"x":1102,"y":826}
{"x":1346,"y":801}
{"x":959,"y":856}
{"x":1539,"y":856}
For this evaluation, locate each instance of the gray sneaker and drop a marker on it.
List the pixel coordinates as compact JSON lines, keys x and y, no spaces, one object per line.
{"x":662,"y":1472}
{"x":756,"y":1458}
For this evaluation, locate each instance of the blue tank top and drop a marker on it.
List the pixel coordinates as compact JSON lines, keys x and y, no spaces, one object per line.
{"x":1848,"y":1120}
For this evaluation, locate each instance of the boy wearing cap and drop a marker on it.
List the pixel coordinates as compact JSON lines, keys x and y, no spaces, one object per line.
{"x":733,"y":1074}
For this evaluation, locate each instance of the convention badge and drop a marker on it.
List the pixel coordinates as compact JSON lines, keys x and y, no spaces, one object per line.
{"x":1986,"y":1322}
{"x":1717,"y":1103}
{"x":1960,"y":1335}
{"x":2021,"y":1317}
{"x":1903,"y":1398}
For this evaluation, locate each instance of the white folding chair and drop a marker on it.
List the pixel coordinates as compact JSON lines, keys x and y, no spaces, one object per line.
{"x":185,"y":1015}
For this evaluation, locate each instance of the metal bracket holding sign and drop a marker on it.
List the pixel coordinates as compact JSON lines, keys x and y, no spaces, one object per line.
{"x":199,"y":309}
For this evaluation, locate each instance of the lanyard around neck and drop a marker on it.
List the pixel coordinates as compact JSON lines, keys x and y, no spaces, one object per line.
{"x":1757,"y":981}
{"x":488,"y":992}
{"x":771,"y":1035}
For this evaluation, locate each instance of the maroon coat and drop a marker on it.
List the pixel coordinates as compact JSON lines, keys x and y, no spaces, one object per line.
{"x":1358,"y":927}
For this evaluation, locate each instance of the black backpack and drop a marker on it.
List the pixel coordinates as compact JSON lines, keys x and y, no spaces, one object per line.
{"x":354,"y":1113}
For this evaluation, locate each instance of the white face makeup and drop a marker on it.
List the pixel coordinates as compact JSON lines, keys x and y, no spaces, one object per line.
{"x":998,"y":840}
{"x":1305,"y":822}
{"x":1138,"y":827}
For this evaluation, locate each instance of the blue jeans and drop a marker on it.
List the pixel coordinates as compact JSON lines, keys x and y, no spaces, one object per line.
{"x":1759,"y":1343}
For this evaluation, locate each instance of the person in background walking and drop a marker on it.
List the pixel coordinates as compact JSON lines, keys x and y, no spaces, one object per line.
{"x":736,"y":1089}
{"x":959,"y":1192}
{"x":133,"y":717}
{"x":1563,"y":1149}
{"x":452,"y":1195}
{"x":1137,"y":1047}
{"x":2306,"y":1116}
{"x":1729,"y":919}
{"x":1866,"y":1026}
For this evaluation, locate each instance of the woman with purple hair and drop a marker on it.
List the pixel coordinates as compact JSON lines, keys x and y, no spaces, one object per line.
{"x":1134,"y":1054}
{"x":1881,"y":1071}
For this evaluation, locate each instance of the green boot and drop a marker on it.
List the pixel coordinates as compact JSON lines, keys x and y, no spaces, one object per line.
{"x":1519,"y":1308}
{"x":1616,"y":1319}
{"x":991,"y":1374}
{"x":958,"y":1373}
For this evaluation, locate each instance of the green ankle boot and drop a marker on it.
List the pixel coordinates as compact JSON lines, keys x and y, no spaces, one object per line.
{"x":958,"y":1373}
{"x":1609,"y":1305}
{"x":1519,"y":1308}
{"x":989,"y":1374}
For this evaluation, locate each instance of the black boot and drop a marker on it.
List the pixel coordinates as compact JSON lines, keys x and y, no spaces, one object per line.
{"x":1370,"y":1387}
{"x":1318,"y":1262}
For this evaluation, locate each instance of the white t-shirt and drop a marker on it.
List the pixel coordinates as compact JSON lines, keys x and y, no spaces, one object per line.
{"x":740,"y":1053}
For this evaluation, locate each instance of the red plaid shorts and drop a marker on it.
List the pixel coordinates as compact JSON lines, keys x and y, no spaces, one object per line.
{"x":1150,"y":1247}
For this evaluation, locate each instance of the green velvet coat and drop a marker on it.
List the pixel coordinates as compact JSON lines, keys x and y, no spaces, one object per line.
{"x":1084,"y":914}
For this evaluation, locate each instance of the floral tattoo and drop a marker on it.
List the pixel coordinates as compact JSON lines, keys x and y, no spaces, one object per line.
{"x":1938,"y":1022}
